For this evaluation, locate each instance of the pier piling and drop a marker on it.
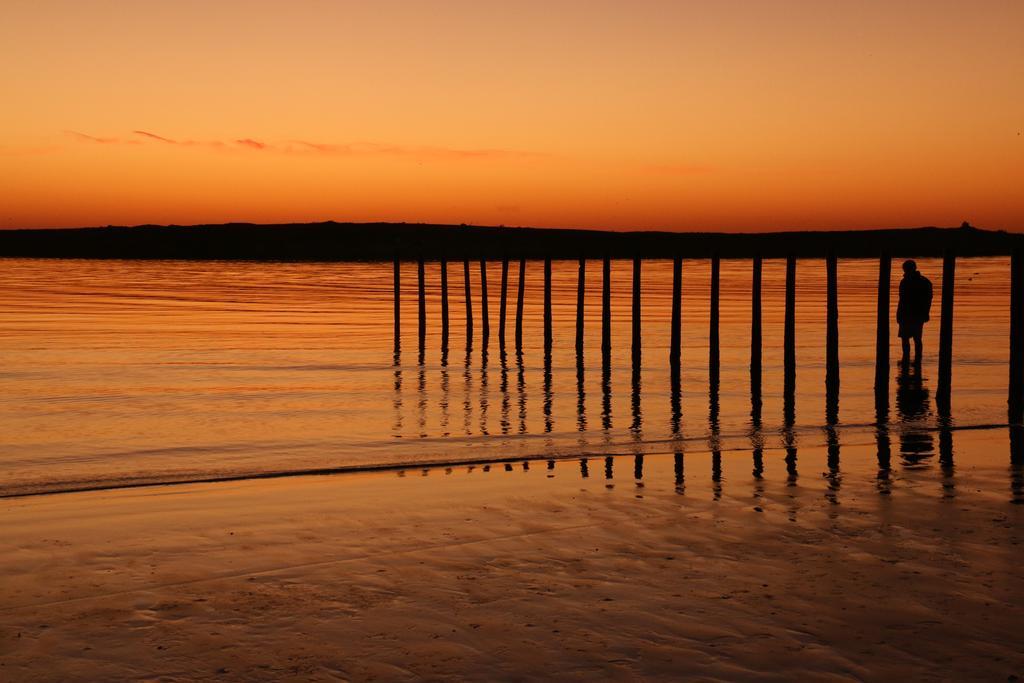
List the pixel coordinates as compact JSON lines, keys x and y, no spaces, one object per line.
{"x":1015,"y":400}
{"x":421,"y":292}
{"x":581,"y":279}
{"x":714,"y":350}
{"x":882,"y":331}
{"x":503,"y":303}
{"x":444,"y":303}
{"x":485,"y":323}
{"x":675,"y":345}
{"x":755,"y":332}
{"x":606,"y":311}
{"x":520,"y":294}
{"x":547,"y":305}
{"x":789,"y":333}
{"x":398,"y":303}
{"x":469,"y":303}
{"x":945,"y":384}
{"x":832,"y":329}
{"x":636,"y":346}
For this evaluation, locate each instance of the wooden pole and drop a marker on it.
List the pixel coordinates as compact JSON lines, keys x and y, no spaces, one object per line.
{"x":581,"y":279}
{"x":1015,"y":400}
{"x":714,"y":350}
{"x":422,"y":294}
{"x":520,"y":295}
{"x":503,"y":304}
{"x":882,"y":330}
{"x":444,"y":303}
{"x":946,"y":331}
{"x":547,"y":304}
{"x":606,"y":310}
{"x":789,"y":332}
{"x":832,"y":329}
{"x":636,"y":346}
{"x":469,"y":303}
{"x":485,"y":324}
{"x":675,"y":345}
{"x":398,"y":303}
{"x":755,"y":331}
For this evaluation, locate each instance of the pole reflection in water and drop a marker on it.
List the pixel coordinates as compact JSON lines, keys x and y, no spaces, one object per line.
{"x":714,"y":437}
{"x":1017,"y":464}
{"x":581,"y":398}
{"x":609,"y":464}
{"x":945,"y":424}
{"x":833,"y":477}
{"x":445,"y":392}
{"x":675,"y":401}
{"x":677,"y":467}
{"x":884,"y":444}
{"x":484,"y":392}
{"x":397,"y":400}
{"x":634,"y":401}
{"x":521,"y":391}
{"x":506,"y":399}
{"x":606,"y":399}
{"x":467,"y":381}
{"x":638,"y":470}
{"x":421,"y":402}
{"x":756,"y":435}
{"x":548,"y":395}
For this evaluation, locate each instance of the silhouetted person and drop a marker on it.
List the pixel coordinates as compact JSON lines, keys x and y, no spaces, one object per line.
{"x":912,"y":312}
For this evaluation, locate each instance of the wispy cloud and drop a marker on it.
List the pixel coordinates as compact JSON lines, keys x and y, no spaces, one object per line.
{"x":154,"y":136}
{"x":100,"y":141}
{"x":307,"y":147}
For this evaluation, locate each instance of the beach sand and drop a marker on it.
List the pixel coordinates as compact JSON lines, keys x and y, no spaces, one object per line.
{"x":513,"y":573}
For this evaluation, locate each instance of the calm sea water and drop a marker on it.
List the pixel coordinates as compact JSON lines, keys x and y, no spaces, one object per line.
{"x":129,"y":372}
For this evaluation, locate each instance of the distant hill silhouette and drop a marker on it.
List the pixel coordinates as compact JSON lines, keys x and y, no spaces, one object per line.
{"x":382,"y":241}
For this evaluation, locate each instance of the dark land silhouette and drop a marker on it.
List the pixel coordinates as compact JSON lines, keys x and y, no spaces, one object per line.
{"x":383,"y":241}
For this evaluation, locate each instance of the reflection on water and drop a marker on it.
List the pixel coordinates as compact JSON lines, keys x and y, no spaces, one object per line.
{"x":150,"y":371}
{"x":663,"y":473}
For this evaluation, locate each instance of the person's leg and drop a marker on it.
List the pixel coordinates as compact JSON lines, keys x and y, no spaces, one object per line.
{"x":906,"y":349}
{"x":917,"y":349}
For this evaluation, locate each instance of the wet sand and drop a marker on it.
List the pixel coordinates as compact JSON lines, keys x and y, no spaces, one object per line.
{"x":806,"y":571}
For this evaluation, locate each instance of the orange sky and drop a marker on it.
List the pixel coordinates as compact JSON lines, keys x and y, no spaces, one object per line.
{"x":725,"y":115}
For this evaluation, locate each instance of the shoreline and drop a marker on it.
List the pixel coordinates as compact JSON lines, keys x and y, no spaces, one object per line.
{"x":647,"y":448}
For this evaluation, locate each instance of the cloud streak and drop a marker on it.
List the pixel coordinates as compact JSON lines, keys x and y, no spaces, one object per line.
{"x":310,"y":148}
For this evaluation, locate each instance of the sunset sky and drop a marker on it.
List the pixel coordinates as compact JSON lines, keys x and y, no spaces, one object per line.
{"x":724,"y":115}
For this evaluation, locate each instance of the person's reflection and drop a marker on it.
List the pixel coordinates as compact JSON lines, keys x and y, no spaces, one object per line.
{"x":913,"y":409}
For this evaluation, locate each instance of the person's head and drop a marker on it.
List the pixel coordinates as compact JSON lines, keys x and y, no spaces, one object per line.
{"x":909,"y":266}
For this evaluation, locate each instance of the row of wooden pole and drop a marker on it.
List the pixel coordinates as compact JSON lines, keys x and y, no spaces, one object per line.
{"x":881,"y":383}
